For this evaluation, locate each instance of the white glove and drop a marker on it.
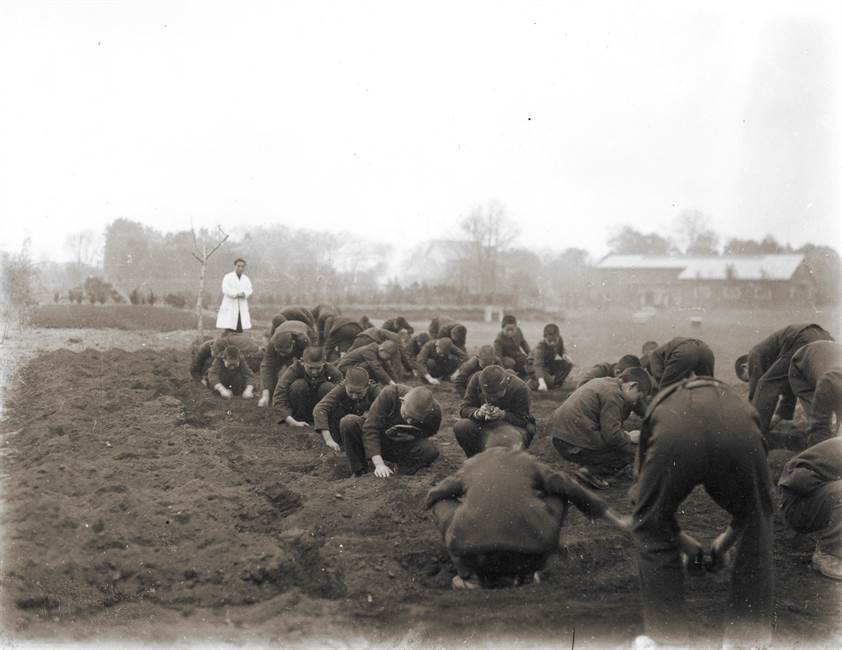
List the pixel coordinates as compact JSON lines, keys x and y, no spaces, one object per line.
{"x":248,"y":393}
{"x":227,"y":394}
{"x":431,"y":379}
{"x":542,"y":385}
{"x":264,"y":399}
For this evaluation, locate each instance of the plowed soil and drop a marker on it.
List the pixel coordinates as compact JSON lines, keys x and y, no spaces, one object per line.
{"x":139,"y":505}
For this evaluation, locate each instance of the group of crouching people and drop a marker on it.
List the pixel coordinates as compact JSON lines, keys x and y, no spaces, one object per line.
{"x":501,"y":513}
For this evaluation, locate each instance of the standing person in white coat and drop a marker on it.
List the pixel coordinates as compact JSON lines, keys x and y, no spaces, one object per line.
{"x":236,"y":288}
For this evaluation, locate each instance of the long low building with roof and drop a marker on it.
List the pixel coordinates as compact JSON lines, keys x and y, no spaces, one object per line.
{"x":725,"y":280}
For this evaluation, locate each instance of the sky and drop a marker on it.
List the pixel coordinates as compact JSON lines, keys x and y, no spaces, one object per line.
{"x":393,"y":120}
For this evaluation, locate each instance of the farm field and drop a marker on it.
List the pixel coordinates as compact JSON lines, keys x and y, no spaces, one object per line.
{"x":139,"y":506}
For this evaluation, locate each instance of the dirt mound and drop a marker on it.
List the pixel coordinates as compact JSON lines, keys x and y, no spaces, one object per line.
{"x":130,"y":488}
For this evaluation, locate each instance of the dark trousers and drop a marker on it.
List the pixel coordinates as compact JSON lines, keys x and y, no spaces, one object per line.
{"x":602,"y":462}
{"x":821,"y":401}
{"x":474,"y":436}
{"x":303,"y":397}
{"x":554,"y":373}
{"x":516,"y":363}
{"x":441,"y":368}
{"x":774,"y":383}
{"x":819,"y":512}
{"x":409,"y":456}
{"x":493,"y":566}
{"x":690,"y":356}
{"x":703,"y":436}
{"x":340,"y":340}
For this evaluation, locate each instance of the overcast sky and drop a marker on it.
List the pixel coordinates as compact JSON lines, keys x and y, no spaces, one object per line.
{"x":393,"y":119}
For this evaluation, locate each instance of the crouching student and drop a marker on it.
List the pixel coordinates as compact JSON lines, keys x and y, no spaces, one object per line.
{"x":302,"y":385}
{"x":397,"y":429}
{"x":493,"y":398}
{"x":375,"y":358}
{"x":354,"y":396}
{"x":511,"y":346}
{"x":438,"y":360}
{"x":230,"y":375}
{"x":587,"y":429}
{"x":548,"y":365}
{"x":811,"y":501}
{"x":287,"y":343}
{"x":501,"y":513}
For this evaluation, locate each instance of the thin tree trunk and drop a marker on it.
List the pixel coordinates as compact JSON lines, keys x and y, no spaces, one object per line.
{"x":199,"y":306}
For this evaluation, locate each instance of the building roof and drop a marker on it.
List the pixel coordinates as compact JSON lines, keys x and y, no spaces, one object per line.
{"x":740,"y":267}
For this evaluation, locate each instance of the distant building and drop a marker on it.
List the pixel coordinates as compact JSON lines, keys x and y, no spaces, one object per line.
{"x":727,"y":280}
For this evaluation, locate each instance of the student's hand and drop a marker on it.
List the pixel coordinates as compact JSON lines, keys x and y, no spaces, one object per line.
{"x":381,"y":470}
{"x":332,"y":444}
{"x":264,"y":399}
{"x":248,"y":393}
{"x":391,"y":382}
{"x":721,"y":551}
{"x":227,"y":394}
{"x":567,"y":358}
{"x":291,"y":421}
{"x":431,"y":379}
{"x":454,"y":376}
{"x":242,"y":294}
{"x":692,"y":553}
{"x":204,"y":381}
{"x":634,"y":437}
{"x":494,"y":413}
{"x":542,"y":385}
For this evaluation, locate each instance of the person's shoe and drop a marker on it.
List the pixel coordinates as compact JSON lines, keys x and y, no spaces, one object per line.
{"x":828,"y":565}
{"x":589,"y":478}
{"x":459,"y":582}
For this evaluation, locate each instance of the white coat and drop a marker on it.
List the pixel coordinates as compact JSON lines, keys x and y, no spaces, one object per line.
{"x":232,"y":306}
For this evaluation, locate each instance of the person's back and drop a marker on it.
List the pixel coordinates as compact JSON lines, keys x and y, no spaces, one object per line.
{"x":595,"y":411}
{"x":502,"y":507}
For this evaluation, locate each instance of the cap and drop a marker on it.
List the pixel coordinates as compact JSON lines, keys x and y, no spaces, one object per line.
{"x":508,"y":319}
{"x":493,"y":378}
{"x":443,"y":345}
{"x":231,"y":353}
{"x":551,"y":329}
{"x":388,"y":346}
{"x":628,"y":361}
{"x":638,"y":375}
{"x":458,"y":333}
{"x":219,"y":345}
{"x":356,"y":379}
{"x":418,"y":403}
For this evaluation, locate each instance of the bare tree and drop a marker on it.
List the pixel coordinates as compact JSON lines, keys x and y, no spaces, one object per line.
{"x":83,"y":246}
{"x":17,"y":285}
{"x":489,"y":233}
{"x":695,"y":233}
{"x":202,"y":255}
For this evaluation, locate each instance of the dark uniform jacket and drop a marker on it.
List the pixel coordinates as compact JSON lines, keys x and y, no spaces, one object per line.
{"x":592,"y":417}
{"x":502,"y":503}
{"x":337,"y":402}
{"x":332,"y":326}
{"x":437,"y":323}
{"x":417,"y":342}
{"x":597,"y":371}
{"x":322,"y":315}
{"x":450,"y":359}
{"x":203,"y":358}
{"x":511,"y":346}
{"x":272,"y":361}
{"x":280,"y":398}
{"x":516,"y":401}
{"x":219,"y":374}
{"x":379,"y":335}
{"x":541,"y":356}
{"x":468,"y":369}
{"x":367,"y":357}
{"x":446,"y":331}
{"x":778,"y":344}
{"x":813,"y":467}
{"x":385,"y":412}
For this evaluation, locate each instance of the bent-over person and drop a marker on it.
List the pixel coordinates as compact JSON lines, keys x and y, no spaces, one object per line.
{"x":680,"y":358}
{"x":287,"y":343}
{"x":815,"y":377}
{"x":438,"y":360}
{"x":376,"y":358}
{"x":511,"y":346}
{"x":230,"y":375}
{"x":482,"y":359}
{"x":548,"y":364}
{"x":354,"y":396}
{"x":302,"y":385}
